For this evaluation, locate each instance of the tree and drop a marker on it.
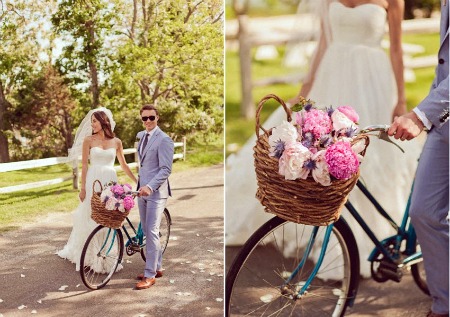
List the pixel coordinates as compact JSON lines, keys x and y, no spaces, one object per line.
{"x":18,"y":59}
{"x":84,"y":25}
{"x":44,"y":114}
{"x":173,"y":55}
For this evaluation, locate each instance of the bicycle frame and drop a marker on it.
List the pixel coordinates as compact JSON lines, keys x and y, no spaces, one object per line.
{"x":404,"y":231}
{"x":139,"y":234}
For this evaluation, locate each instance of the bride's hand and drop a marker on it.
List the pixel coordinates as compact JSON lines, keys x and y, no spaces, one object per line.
{"x":399,"y":110}
{"x":82,"y":194}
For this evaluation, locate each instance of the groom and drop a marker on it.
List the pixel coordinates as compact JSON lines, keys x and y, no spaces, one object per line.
{"x":430,"y":199}
{"x":155,"y":150}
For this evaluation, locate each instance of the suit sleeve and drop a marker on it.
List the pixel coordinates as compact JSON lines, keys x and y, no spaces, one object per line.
{"x":436,"y":102}
{"x":165,"y":160}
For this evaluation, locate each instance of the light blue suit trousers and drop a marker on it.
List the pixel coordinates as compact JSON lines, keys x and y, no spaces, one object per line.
{"x":430,"y":199}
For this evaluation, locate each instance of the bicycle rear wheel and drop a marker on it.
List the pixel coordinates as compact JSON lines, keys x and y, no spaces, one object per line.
{"x":254,"y":280}
{"x":164,"y":233}
{"x":100,"y":257}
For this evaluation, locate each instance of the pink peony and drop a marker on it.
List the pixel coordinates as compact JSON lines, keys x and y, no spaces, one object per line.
{"x":349,"y":113}
{"x":317,"y":122}
{"x":128,"y":203}
{"x":342,"y":161}
{"x":117,"y":190}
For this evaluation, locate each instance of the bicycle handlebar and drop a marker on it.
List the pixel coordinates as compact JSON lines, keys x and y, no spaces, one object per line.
{"x":375,"y":128}
{"x":383,"y":135}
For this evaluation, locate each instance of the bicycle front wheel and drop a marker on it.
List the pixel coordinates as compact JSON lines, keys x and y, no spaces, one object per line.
{"x":102,"y":253}
{"x":256,"y":281}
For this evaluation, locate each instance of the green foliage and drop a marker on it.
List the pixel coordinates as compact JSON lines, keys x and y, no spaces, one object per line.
{"x":173,"y":58}
{"x":43,"y":114}
{"x":117,"y":54}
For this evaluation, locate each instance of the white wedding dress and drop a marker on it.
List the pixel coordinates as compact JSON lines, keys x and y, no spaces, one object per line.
{"x":101,"y":168}
{"x":354,"y":71}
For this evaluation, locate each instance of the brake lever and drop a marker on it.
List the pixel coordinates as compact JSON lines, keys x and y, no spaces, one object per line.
{"x":385,"y":137}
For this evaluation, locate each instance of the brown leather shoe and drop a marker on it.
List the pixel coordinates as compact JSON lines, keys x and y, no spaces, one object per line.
{"x":158,"y":275}
{"x":431,"y":314}
{"x":145,"y":283}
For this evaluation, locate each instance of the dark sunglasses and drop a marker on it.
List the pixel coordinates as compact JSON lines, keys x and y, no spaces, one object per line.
{"x":152,"y":118}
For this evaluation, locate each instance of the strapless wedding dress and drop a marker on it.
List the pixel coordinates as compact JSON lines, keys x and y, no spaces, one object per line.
{"x":354,"y":71}
{"x":102,"y":168}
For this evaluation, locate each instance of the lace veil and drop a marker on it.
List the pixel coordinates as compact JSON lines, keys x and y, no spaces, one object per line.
{"x":311,"y":36}
{"x":84,"y":130}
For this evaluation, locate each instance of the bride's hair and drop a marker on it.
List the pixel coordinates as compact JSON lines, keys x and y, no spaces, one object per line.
{"x":104,"y":122}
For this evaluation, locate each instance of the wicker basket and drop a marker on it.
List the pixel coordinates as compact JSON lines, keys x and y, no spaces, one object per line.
{"x":299,"y":201}
{"x":101,"y":215}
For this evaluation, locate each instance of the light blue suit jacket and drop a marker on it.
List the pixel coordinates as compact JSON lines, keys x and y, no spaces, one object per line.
{"x":156,"y":163}
{"x":436,"y":104}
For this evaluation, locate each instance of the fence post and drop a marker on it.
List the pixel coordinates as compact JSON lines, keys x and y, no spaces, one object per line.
{"x":184,"y":148}
{"x":75,"y":174}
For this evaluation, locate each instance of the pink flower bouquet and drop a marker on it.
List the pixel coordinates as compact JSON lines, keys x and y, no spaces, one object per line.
{"x":318,"y":143}
{"x":117,"y":197}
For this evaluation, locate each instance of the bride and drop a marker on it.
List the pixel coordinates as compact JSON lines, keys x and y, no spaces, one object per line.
{"x":96,"y":141}
{"x":349,"y":67}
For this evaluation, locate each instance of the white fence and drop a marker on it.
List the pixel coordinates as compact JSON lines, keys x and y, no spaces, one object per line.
{"x":16,"y":166}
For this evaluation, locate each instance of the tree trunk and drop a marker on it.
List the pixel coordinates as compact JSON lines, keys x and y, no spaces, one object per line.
{"x":133,"y":23}
{"x":94,"y":84}
{"x":92,"y":66}
{"x":4,"y":104}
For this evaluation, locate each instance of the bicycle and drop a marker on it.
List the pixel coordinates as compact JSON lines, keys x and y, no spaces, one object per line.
{"x":290,"y":269}
{"x":108,"y":246}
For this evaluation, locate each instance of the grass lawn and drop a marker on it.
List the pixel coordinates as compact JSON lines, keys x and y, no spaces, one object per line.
{"x":238,"y":130}
{"x":27,"y":205}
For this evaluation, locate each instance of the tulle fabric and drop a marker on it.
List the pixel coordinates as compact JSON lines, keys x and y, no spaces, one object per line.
{"x":101,"y":168}
{"x":354,"y":71}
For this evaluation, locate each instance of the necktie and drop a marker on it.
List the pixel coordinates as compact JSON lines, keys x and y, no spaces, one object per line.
{"x":144,"y":143}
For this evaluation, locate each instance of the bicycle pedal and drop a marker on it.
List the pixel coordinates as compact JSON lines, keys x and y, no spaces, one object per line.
{"x":391,"y":271}
{"x":135,"y":247}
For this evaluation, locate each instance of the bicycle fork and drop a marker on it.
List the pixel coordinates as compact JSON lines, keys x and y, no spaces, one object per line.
{"x":285,"y":290}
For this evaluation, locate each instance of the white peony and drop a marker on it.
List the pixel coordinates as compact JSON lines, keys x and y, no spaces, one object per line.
{"x":320,"y":173}
{"x":106,"y":193}
{"x":282,"y":136}
{"x":111,"y":203}
{"x":292,"y":161}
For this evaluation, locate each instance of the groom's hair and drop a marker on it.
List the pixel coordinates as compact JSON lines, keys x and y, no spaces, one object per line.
{"x":149,"y":107}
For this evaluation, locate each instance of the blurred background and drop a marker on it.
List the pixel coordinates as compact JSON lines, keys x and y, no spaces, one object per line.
{"x":258,"y":35}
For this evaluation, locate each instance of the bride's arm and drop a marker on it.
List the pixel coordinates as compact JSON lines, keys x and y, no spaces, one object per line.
{"x":395,"y":17}
{"x":84,"y":166}
{"x":123,"y":163}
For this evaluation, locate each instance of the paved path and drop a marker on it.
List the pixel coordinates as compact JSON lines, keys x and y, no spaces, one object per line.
{"x":32,"y":277}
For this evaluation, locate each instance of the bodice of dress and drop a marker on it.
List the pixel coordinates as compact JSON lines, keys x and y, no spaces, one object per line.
{"x":102,"y":157}
{"x":362,"y":25}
